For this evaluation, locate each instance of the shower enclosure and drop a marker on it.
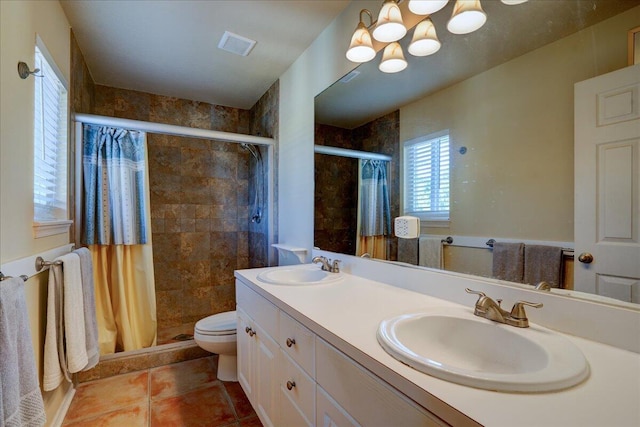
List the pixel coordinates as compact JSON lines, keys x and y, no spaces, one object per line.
{"x":210,"y":215}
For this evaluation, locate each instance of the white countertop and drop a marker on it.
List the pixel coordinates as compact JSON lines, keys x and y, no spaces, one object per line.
{"x":347,"y":314}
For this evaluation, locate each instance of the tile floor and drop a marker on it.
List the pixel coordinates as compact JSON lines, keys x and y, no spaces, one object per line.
{"x":180,"y":394}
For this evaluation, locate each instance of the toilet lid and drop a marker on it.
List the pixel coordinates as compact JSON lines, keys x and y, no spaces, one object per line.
{"x":218,"y":324}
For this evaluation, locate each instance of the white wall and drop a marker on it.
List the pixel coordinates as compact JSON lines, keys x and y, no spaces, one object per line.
{"x":317,"y":68}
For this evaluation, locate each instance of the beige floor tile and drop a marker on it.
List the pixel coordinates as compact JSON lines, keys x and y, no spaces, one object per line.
{"x":179,"y":378}
{"x":132,"y":416}
{"x":109,"y":394}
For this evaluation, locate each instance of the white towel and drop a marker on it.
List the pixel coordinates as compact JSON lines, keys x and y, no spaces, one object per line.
{"x":74,"y":331}
{"x":55,"y":369}
{"x":430,"y":252}
{"x":90,"y":321}
{"x":20,"y":398}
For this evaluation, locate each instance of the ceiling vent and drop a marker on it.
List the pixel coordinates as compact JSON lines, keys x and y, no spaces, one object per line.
{"x":236,"y":44}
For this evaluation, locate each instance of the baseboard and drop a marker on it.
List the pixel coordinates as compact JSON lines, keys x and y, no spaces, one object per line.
{"x":58,"y":419}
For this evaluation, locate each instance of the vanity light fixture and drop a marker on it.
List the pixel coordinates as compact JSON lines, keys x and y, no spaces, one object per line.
{"x":427,"y":7}
{"x":361,"y":47}
{"x":389,"y":27}
{"x":425,"y":40}
{"x":392,"y":59}
{"x":467,"y":17}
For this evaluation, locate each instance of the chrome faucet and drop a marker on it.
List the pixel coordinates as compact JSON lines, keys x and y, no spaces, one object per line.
{"x":490,"y":309}
{"x":327,"y":265}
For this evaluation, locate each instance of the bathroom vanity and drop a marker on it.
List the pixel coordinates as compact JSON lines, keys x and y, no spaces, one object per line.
{"x":308,"y":355}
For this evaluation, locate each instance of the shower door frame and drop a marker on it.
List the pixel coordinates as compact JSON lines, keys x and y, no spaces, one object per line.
{"x":166,"y":129}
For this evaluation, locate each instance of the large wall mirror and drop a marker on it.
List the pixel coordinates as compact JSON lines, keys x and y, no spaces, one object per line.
{"x":505,"y":94}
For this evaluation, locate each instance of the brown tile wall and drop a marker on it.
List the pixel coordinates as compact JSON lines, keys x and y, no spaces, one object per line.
{"x":336,"y":181}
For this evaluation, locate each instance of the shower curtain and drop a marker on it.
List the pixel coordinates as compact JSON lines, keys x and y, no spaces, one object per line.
{"x":117,"y":232}
{"x":374,"y":209}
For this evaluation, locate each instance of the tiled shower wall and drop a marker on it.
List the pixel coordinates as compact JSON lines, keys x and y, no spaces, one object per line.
{"x":336,"y":181}
{"x":200,"y":194}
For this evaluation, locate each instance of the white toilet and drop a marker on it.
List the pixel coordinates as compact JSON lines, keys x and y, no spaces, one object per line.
{"x":217,"y":334}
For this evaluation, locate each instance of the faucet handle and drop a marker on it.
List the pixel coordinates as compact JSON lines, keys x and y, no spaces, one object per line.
{"x":335,"y":268}
{"x":517,"y":312}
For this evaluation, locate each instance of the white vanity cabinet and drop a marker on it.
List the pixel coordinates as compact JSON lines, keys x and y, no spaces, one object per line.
{"x":299,"y":379}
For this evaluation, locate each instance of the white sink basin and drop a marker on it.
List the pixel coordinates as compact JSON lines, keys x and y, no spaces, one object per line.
{"x":307,"y":275}
{"x":456,"y":346}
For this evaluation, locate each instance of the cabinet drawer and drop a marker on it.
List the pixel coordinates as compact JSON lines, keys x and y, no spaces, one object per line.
{"x":297,"y":404}
{"x":261,"y":311}
{"x":369,"y":400}
{"x":298,"y":342}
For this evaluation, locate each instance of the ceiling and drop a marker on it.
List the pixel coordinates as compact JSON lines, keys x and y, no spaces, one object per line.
{"x":170,"y":47}
{"x":510,"y":31}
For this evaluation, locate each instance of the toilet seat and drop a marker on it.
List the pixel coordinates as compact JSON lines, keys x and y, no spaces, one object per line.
{"x":218,"y":324}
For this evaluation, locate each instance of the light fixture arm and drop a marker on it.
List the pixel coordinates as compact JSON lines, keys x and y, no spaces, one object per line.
{"x":371,"y":21}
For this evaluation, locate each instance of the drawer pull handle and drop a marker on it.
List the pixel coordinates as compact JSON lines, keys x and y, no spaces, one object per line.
{"x":250,"y":331}
{"x":290,"y":342}
{"x":291,"y":385}
{"x":247,"y":329}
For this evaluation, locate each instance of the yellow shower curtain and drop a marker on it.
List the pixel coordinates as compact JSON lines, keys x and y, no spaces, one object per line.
{"x":125,"y":296}
{"x":124,"y":280}
{"x":376,"y":246}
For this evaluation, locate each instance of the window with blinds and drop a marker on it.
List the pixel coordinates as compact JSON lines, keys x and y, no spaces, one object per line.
{"x":50,"y":144}
{"x":426,"y":177}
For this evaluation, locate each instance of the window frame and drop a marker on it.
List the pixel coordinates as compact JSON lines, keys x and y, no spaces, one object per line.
{"x":61,"y":224}
{"x":429,"y":219}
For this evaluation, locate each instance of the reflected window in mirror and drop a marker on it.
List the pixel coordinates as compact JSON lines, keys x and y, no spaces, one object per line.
{"x":426,"y":177}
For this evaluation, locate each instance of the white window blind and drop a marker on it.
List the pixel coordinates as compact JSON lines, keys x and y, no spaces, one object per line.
{"x":50,"y":144}
{"x":426,"y":177}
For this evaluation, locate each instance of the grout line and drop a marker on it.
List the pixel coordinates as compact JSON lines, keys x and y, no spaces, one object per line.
{"x":148,"y":397}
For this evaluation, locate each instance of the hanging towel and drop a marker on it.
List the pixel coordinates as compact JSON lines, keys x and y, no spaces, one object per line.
{"x":508,"y":261}
{"x":430,"y":252}
{"x":74,"y":331}
{"x":89,"y":301}
{"x":20,"y":398}
{"x":55,"y":368}
{"x":408,"y":251}
{"x":542,"y":263}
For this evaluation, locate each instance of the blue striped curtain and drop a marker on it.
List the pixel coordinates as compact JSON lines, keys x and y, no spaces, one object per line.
{"x":375,"y":214}
{"x":114,"y":181}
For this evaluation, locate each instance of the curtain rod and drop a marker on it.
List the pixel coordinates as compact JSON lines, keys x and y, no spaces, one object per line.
{"x":172,"y":129}
{"x":344,"y":152}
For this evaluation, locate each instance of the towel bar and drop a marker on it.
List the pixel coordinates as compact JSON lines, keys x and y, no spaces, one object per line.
{"x":24,"y":277}
{"x":41,"y":263}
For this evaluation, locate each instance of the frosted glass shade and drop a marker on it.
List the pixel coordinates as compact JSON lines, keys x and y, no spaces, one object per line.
{"x":361,"y":47}
{"x":425,"y":40}
{"x":390,"y":27}
{"x":511,"y":2}
{"x":467,"y":17}
{"x":392,"y":59}
{"x":426,"y":7}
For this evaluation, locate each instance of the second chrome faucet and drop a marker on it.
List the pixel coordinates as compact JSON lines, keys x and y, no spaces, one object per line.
{"x":490,"y":309}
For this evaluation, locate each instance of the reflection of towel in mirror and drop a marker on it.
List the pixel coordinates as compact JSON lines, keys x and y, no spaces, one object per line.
{"x":508,"y":261}
{"x":408,"y":251}
{"x":430,"y":252}
{"x":20,"y":397}
{"x":542,"y":263}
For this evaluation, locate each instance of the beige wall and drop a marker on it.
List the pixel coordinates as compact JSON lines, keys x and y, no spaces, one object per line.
{"x":516,"y":120}
{"x":20,"y":21}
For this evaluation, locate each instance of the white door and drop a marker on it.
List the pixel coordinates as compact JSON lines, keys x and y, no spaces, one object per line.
{"x":607,"y":190}
{"x":246,"y":355}
{"x":266,"y":378}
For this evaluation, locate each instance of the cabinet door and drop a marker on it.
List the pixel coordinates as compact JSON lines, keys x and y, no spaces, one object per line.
{"x":330,"y":414}
{"x":266,"y":378}
{"x":245,"y":355}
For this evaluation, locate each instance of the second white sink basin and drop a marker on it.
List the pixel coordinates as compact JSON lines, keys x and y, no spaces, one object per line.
{"x":457,"y":346}
{"x":303,"y":275}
